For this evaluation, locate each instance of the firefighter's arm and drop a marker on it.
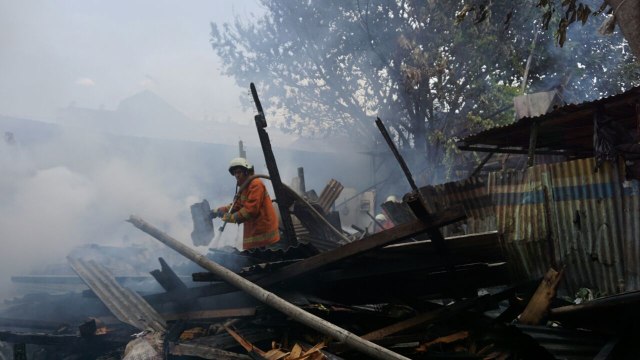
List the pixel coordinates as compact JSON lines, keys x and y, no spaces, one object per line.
{"x":219,"y":212}
{"x":251,"y":206}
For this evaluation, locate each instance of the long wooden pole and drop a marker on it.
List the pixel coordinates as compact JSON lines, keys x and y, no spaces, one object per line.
{"x":269,"y":298}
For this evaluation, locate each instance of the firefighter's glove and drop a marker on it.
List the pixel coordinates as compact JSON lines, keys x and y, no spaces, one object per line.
{"x":231,"y":218}
{"x":218,"y":213}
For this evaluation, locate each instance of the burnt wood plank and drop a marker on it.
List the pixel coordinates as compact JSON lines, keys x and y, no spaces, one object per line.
{"x":377,"y":240}
{"x":538,"y":306}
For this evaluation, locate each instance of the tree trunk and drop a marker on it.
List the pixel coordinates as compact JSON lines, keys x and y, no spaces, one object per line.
{"x":628,"y":19}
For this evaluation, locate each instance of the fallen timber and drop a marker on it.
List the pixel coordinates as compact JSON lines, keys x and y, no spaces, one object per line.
{"x":377,"y":240}
{"x":314,"y":322}
{"x":416,"y":202}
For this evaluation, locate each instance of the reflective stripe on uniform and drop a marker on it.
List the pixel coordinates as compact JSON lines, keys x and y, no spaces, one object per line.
{"x":267,"y":238}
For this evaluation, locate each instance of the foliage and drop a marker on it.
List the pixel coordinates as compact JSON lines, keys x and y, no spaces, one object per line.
{"x":586,"y":65}
{"x":331,"y":67}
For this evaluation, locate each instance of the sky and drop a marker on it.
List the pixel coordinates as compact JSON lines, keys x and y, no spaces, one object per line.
{"x":94,"y":53}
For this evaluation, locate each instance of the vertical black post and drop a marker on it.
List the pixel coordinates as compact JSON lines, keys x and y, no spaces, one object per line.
{"x":533,"y":139}
{"x":19,"y":351}
{"x":284,"y":202}
{"x":303,"y":187}
{"x":242,"y":153}
{"x":396,"y":153}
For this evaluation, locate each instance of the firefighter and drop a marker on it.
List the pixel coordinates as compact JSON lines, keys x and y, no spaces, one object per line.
{"x":252,"y":207}
{"x":383,"y":223}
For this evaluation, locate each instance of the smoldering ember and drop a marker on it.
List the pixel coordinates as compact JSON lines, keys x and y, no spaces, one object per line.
{"x":400,"y":180}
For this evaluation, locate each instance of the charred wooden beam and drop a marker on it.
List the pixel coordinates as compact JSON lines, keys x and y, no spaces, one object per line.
{"x":476,"y":171}
{"x":538,"y":306}
{"x":211,"y":314}
{"x":284,"y":202}
{"x":377,"y":240}
{"x":38,"y":339}
{"x":168,"y":278}
{"x":380,"y":288}
{"x":533,"y":138}
{"x":416,"y":202}
{"x":31,"y":324}
{"x":420,"y":320}
{"x":174,"y":287}
{"x":612,"y":314}
{"x":301,"y":183}
{"x":396,"y":153}
{"x":418,"y":256}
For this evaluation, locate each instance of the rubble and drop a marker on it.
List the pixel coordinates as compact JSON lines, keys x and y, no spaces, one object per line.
{"x":446,"y":281}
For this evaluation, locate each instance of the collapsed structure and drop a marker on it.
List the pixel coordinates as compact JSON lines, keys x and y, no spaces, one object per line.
{"x":470,"y":270}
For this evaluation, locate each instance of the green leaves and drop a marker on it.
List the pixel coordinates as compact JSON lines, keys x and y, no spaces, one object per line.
{"x":329,"y":67}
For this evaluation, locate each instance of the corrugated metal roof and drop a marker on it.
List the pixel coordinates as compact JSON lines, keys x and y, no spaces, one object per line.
{"x":128,"y":306}
{"x":567,"y":127}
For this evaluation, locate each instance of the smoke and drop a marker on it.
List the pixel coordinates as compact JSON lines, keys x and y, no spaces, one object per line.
{"x":67,"y":187}
{"x":78,"y":188}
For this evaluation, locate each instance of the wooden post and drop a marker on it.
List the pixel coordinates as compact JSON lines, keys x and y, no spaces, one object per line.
{"x":533,"y":139}
{"x":284,"y":202}
{"x":269,"y":298}
{"x":303,"y":188}
{"x":539,"y":304}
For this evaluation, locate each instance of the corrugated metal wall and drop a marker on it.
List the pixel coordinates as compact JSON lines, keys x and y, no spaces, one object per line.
{"x":632,"y":235}
{"x":561,"y":214}
{"x":519,"y":199}
{"x":566,"y":214}
{"x":472,"y":195}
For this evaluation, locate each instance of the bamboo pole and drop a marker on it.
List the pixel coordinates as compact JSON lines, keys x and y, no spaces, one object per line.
{"x":269,"y":298}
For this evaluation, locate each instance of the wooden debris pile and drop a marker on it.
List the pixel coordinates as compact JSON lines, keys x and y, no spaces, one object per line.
{"x":406,"y":292}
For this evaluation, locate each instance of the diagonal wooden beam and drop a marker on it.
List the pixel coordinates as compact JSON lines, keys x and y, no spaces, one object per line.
{"x":377,"y":240}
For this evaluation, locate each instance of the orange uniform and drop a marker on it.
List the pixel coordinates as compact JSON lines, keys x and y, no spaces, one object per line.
{"x":254,"y":209}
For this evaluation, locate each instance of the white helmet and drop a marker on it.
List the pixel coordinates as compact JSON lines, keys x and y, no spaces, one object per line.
{"x":241,"y":163}
{"x":392,"y":198}
{"x":381,"y":218}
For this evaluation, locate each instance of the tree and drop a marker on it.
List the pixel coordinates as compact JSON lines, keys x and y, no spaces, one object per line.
{"x":629,"y":20}
{"x":331,"y":67}
{"x":568,"y":12}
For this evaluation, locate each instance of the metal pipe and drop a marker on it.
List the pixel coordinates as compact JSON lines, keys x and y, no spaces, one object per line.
{"x":269,"y":298}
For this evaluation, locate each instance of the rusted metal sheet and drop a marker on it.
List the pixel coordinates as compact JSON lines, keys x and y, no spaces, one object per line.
{"x":565,"y":214}
{"x":472,"y":195}
{"x":126,"y":305}
{"x":519,"y":206}
{"x":631,"y":221}
{"x":589,"y":224}
{"x":560,"y":214}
